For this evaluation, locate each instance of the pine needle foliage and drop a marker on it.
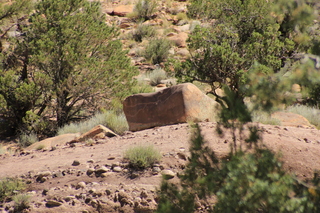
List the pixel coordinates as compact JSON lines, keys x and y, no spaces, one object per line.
{"x":243,"y":33}
{"x":66,"y":63}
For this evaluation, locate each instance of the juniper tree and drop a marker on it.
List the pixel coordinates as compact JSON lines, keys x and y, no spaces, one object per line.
{"x":240,"y":34}
{"x":243,"y":53}
{"x":71,"y":61}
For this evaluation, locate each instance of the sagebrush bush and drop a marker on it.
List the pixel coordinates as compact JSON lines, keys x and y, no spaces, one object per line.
{"x":40,"y":147}
{"x":157,"y":50}
{"x":264,"y":118}
{"x":182,"y":16}
{"x":142,"y":156}
{"x":115,"y":121}
{"x":8,"y":186}
{"x":143,"y":31}
{"x":27,"y":139}
{"x":144,"y":9}
{"x":21,"y":202}
{"x":144,"y":86}
{"x":156,"y":76}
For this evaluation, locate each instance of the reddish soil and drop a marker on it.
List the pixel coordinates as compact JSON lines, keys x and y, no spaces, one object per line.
{"x":299,"y":148}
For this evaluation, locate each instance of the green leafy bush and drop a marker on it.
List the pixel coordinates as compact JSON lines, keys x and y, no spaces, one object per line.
{"x":67,"y":81}
{"x":157,"y":50}
{"x":223,"y":52}
{"x":143,"y":31}
{"x":142,"y":156}
{"x":10,"y":186}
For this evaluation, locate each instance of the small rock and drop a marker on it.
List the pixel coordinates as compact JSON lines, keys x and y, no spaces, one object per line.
{"x":81,"y":185}
{"x":115,"y":164}
{"x":182,"y":156}
{"x":45,"y":191}
{"x":156,"y":170}
{"x":108,"y":192}
{"x":134,"y":175}
{"x":57,"y":174}
{"x":52,"y":203}
{"x":168,"y":174}
{"x":41,"y":179}
{"x":44,"y":174}
{"x":137,"y":201}
{"x":68,"y":198}
{"x":94,"y":203}
{"x":123,"y":194}
{"x":117,"y":169}
{"x":76,"y":202}
{"x":143,"y":194}
{"x":102,"y":169}
{"x":307,"y":140}
{"x":144,"y":203}
{"x":97,"y":194}
{"x":105,"y":174}
{"x":90,"y":161}
{"x":88,"y":200}
{"x":90,"y":171}
{"x":76,"y":163}
{"x":91,"y":191}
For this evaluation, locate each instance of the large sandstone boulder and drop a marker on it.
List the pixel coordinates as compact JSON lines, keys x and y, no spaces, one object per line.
{"x":176,"y":104}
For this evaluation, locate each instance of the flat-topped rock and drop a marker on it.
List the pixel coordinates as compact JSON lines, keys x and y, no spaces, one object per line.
{"x":177,"y":104}
{"x":291,"y":119}
{"x":54,"y":141}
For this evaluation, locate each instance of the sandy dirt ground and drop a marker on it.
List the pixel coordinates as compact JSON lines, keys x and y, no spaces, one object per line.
{"x":299,"y":148}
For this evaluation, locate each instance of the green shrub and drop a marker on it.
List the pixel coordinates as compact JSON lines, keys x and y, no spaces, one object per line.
{"x":142,"y":156}
{"x":10,"y":186}
{"x":312,"y":114}
{"x":21,"y":202}
{"x":27,"y":139}
{"x":142,"y":86}
{"x":115,"y":121}
{"x":182,"y":16}
{"x":143,"y":31}
{"x":144,"y":9}
{"x":40,"y":147}
{"x":158,"y":50}
{"x":156,"y":76}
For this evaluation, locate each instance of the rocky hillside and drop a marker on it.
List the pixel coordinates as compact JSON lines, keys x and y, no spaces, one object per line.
{"x":93,"y":177}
